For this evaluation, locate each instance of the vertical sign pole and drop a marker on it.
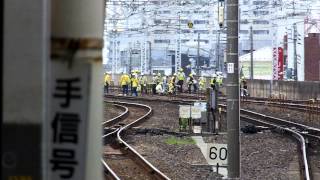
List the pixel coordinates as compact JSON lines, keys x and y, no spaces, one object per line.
{"x":233,"y":118}
{"x":74,"y":143}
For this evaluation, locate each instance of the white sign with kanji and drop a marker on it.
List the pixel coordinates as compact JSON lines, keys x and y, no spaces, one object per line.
{"x":184,"y":111}
{"x":67,"y":121}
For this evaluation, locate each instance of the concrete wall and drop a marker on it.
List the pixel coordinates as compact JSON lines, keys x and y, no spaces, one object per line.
{"x":300,"y":90}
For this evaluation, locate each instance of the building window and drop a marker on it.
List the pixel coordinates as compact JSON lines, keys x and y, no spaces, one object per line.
{"x":201,"y":12}
{"x":257,"y":13}
{"x":184,"y":40}
{"x":264,"y":3}
{"x":184,"y":21}
{"x":185,"y":31}
{"x":155,"y":2}
{"x":201,"y":31}
{"x":245,"y":21}
{"x":163,"y":12}
{"x":244,"y":31}
{"x":260,"y":31}
{"x":201,"y":22}
{"x":185,"y":12}
{"x":161,"y":32}
{"x":260,"y":22}
{"x":161,"y":41}
{"x":202,"y":40}
{"x":157,"y":21}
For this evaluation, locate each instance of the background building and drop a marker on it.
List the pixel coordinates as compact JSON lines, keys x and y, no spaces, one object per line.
{"x":146,"y":35}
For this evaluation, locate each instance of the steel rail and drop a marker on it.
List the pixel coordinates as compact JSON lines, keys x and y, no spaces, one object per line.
{"x":109,"y":171}
{"x":301,"y":127}
{"x":119,"y":117}
{"x":157,"y":172}
{"x":122,"y":129}
{"x":293,"y":106}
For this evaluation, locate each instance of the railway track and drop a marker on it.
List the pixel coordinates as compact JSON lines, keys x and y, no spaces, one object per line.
{"x":302,"y":133}
{"x":120,"y":160}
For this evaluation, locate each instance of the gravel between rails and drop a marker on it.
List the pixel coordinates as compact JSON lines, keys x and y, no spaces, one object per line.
{"x":110,"y":111}
{"x":177,"y":161}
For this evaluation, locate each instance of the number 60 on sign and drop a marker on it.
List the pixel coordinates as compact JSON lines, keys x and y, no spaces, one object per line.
{"x":217,"y":154}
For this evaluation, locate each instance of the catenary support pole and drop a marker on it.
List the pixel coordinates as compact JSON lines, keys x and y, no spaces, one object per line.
{"x":198,"y":58}
{"x":295,"y":57}
{"x":75,"y":90}
{"x":251,"y":53}
{"x":233,"y":113}
{"x":218,"y":52}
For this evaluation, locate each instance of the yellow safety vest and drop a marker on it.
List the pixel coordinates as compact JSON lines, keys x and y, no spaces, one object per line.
{"x":135,"y":82}
{"x":107,"y":79}
{"x":180,"y":76}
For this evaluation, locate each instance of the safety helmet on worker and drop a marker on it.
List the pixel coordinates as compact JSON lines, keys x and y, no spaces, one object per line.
{"x":180,"y":69}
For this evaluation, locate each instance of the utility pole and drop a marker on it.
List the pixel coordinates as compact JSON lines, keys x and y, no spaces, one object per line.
{"x":295,"y":61}
{"x":285,"y":54}
{"x":221,"y":24}
{"x":178,"y":46}
{"x":150,"y":62}
{"x":198,"y":60}
{"x":251,"y":53}
{"x":233,"y":105}
{"x":218,"y":52}
{"x":130,"y":61}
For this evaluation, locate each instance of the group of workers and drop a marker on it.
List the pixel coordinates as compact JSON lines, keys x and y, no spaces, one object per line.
{"x":162,"y":84}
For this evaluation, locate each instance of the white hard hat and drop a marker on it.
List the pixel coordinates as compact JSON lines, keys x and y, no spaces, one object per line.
{"x":153,"y":74}
{"x":142,"y":74}
{"x":214,"y":75}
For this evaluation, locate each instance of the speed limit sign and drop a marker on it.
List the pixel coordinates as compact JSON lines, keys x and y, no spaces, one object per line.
{"x":217,"y":154}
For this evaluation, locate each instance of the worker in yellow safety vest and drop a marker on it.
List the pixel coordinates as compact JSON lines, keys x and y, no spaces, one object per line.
{"x":202,"y":83}
{"x":143,"y":83}
{"x":213,"y":81}
{"x":107,"y":81}
{"x":220,"y":80}
{"x":124,"y":82}
{"x":181,"y":77}
{"x":135,"y":84}
{"x":172,"y":84}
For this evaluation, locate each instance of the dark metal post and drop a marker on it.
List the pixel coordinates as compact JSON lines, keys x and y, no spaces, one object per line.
{"x":295,"y":52}
{"x":198,"y":60}
{"x":130,"y":61}
{"x":150,"y":61}
{"x":233,"y":113}
{"x":218,"y":53}
{"x":251,"y":53}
